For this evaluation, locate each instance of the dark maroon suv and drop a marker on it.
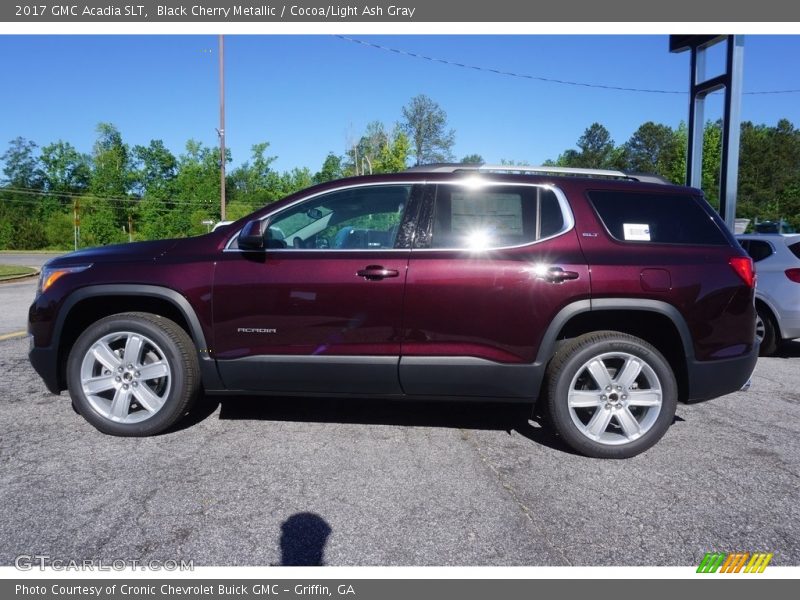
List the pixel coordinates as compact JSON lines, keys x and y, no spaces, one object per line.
{"x":608,"y":296}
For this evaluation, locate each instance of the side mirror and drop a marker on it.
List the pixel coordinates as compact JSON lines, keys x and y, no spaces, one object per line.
{"x":252,"y":235}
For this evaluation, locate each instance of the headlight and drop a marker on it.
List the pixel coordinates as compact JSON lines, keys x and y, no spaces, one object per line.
{"x":50,"y":275}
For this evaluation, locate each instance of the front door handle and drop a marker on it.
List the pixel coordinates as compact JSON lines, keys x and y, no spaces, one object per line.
{"x":376,"y":272}
{"x":559,"y":275}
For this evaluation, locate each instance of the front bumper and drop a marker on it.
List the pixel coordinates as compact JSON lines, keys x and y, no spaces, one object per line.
{"x":45,"y":363}
{"x":714,"y":378}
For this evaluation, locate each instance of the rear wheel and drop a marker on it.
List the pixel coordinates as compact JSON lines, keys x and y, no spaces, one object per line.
{"x":766,"y":331}
{"x":133,"y":374}
{"x":610,"y":394}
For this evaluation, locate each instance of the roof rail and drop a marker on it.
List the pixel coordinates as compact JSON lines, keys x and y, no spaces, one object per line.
{"x":542,"y":170}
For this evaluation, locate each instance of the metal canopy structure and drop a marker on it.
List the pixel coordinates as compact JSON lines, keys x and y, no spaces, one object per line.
{"x":701,"y":86}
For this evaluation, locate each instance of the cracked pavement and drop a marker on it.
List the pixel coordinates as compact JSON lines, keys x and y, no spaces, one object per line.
{"x":254,"y":481}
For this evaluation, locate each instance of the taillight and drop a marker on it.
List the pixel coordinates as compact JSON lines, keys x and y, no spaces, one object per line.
{"x":743,"y":265}
{"x":793,"y":274}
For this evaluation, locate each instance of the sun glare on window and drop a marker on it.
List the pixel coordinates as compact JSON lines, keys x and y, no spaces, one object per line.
{"x":477,"y":241}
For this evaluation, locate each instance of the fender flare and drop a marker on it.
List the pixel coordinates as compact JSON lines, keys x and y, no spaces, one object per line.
{"x":208,"y":366}
{"x":548,"y":343}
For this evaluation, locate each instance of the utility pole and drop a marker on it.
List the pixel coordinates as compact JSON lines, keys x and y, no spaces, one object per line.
{"x":130,"y":227}
{"x":221,"y":130}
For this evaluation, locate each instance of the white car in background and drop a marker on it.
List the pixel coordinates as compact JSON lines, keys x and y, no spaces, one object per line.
{"x":220,"y":224}
{"x":777,"y":263}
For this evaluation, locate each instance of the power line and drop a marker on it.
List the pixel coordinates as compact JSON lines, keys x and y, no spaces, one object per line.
{"x":528,"y":76}
{"x":35,"y":192}
{"x":33,"y":202}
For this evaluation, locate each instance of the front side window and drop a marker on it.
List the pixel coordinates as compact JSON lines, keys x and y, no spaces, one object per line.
{"x":492,"y":217}
{"x":362,"y":218}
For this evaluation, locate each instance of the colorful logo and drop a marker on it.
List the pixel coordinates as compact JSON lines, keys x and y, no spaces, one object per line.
{"x":734,"y":562}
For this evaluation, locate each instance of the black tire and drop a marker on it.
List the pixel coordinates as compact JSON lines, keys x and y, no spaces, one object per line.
{"x":570,"y":364}
{"x":163,"y":342}
{"x":769,"y":337}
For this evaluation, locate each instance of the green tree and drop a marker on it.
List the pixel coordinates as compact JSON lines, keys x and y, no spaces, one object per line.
{"x":112,"y":173}
{"x":569,"y":158}
{"x":21,"y":165}
{"x":155,"y":169}
{"x":650,"y":149}
{"x":393,"y":155}
{"x":473,"y":159}
{"x":712,"y":161}
{"x":65,"y":173}
{"x":332,"y":168}
{"x":112,"y":176}
{"x":675,"y":167}
{"x":250,"y":184}
{"x":58,"y":230}
{"x":378,"y":152}
{"x":425,"y":124}
{"x":155,"y":173}
{"x":197,"y":190}
{"x":364,"y":153}
{"x":769,"y":172}
{"x":64,"y":169}
{"x":21,"y":202}
{"x":99,"y":225}
{"x":596,"y":148}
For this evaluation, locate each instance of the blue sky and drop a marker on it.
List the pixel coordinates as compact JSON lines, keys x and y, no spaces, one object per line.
{"x":307,"y":95}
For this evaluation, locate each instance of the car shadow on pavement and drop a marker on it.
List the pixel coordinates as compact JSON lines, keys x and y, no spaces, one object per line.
{"x":495,"y":416}
{"x":204,"y":407}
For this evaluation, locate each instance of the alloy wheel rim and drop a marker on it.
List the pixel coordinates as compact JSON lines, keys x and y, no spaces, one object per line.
{"x":761,"y":329}
{"x":615,"y":398}
{"x":126,"y":377}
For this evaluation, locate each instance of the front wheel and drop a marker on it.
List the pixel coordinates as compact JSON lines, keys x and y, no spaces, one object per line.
{"x":610,"y":394}
{"x":133,"y":374}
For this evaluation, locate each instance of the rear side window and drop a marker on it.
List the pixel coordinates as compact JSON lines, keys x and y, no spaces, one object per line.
{"x":494,"y":217}
{"x":659,"y":218}
{"x":757,"y":249}
{"x":795,"y":248}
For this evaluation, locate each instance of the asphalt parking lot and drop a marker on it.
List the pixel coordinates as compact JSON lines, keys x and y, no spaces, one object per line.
{"x":250,"y":481}
{"x":16,"y":296}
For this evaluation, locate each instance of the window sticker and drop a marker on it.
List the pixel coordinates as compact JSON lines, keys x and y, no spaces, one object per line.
{"x":499,"y":213}
{"x":639,"y":232}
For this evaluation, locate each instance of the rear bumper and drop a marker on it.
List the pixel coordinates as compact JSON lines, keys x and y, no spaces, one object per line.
{"x":45,"y":363}
{"x":715,"y":378}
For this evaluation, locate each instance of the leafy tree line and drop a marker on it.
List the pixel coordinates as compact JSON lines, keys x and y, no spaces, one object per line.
{"x":121,"y":192}
{"x":769,"y":162}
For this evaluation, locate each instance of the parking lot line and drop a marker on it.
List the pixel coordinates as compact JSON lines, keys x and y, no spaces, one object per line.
{"x":14,"y":335}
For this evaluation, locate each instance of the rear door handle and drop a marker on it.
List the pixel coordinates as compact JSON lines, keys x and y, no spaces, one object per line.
{"x":376,"y":272}
{"x":559,"y":275}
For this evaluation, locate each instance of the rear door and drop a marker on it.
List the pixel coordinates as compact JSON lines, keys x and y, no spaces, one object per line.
{"x":491,"y":266}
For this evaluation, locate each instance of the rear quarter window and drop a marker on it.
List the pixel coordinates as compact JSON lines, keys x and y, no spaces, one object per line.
{"x":795,"y":248}
{"x":656,"y":218}
{"x":757,"y":249}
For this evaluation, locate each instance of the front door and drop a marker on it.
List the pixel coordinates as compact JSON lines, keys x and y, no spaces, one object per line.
{"x":320,"y":309}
